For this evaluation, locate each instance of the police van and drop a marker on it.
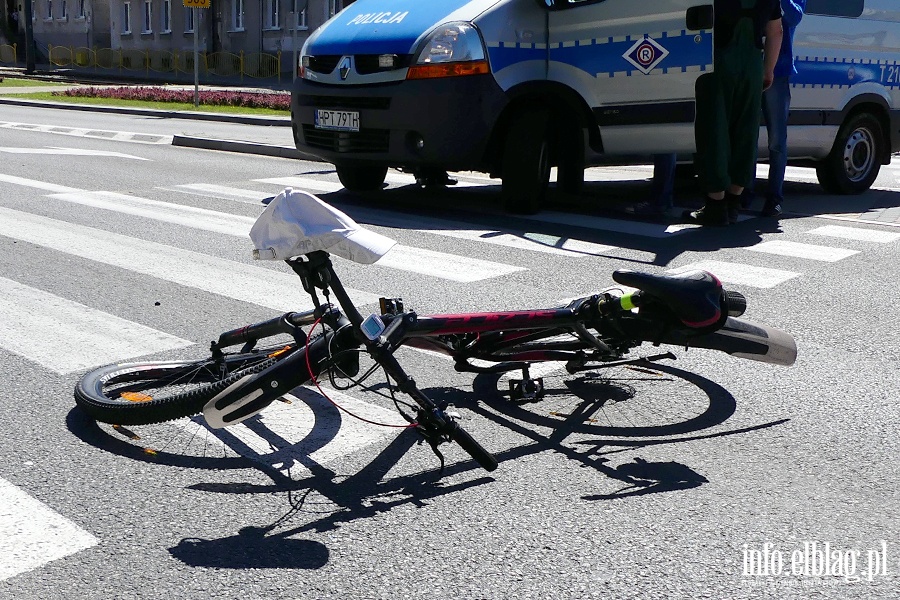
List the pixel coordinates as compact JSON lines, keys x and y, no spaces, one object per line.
{"x":514,"y":87}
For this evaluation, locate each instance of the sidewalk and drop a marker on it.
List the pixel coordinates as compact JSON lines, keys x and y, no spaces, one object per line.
{"x":275,"y":138}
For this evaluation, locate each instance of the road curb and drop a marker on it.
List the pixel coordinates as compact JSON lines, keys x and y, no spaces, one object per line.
{"x":241,"y":147}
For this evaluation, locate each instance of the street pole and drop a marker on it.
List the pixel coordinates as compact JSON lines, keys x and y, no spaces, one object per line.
{"x":29,"y":38}
{"x":196,"y":57}
{"x":294,"y":40}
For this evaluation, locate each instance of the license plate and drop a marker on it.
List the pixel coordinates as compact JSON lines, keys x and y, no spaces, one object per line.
{"x":341,"y":120}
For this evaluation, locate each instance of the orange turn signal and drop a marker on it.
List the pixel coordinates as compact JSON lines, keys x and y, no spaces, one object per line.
{"x":457,"y":69}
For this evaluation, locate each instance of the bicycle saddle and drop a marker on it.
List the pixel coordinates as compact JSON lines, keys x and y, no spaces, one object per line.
{"x":694,"y":296}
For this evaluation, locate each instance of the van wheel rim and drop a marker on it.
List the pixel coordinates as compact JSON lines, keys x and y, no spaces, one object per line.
{"x":859,"y":155}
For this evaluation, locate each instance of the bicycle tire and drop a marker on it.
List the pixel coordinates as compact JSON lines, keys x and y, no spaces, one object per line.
{"x":101,"y":393}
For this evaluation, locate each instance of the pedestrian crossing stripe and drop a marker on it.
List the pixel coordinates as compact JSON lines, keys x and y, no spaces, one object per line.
{"x":740,"y":274}
{"x":220,"y":191}
{"x":33,"y":534}
{"x":799,"y":250}
{"x":535,"y":242}
{"x":405,"y":258}
{"x":258,"y":285}
{"x":856,"y":233}
{"x":34,"y":321}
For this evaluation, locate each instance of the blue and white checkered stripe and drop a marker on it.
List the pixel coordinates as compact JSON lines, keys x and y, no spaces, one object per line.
{"x":689,"y":51}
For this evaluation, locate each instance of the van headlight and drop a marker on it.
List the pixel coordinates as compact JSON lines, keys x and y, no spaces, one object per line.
{"x":451,"y":50}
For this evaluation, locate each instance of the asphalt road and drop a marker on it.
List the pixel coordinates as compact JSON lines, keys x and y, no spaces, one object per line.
{"x":641,"y":485}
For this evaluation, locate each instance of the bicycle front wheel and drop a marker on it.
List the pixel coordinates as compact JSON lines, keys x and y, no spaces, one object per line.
{"x":154,"y":392}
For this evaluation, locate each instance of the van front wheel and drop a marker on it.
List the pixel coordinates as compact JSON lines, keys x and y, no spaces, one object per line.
{"x":855,"y":159}
{"x":356,"y":178}
{"x":526,"y":162}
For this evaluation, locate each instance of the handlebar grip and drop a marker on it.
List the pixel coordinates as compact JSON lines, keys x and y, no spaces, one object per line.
{"x":474,"y":449}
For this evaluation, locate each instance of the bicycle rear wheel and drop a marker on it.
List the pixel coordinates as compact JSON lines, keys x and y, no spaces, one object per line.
{"x":154,"y":392}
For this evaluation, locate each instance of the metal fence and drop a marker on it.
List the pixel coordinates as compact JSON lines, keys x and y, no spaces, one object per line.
{"x":257,"y":65}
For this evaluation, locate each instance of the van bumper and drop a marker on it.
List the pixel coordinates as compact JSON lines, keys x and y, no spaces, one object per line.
{"x":443,"y":122}
{"x":894,"y":133}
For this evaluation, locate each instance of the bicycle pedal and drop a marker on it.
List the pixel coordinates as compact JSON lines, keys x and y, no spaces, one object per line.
{"x":523,"y":391}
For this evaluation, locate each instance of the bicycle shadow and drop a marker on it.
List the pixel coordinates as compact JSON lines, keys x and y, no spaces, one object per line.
{"x":325,"y":499}
{"x":252,"y":548}
{"x":644,"y":477}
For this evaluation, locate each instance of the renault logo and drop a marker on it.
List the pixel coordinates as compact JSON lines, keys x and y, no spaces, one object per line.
{"x":344,"y":67}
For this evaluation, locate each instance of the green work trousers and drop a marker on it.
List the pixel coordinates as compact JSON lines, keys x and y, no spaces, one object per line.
{"x":729,"y":101}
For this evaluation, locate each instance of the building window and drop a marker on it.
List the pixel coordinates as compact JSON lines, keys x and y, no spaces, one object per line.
{"x":334,"y":7}
{"x":166,"y":21}
{"x":189,"y":20}
{"x":126,"y":17}
{"x":299,"y":18}
{"x":49,"y":14}
{"x":81,"y":13}
{"x":272,"y":21}
{"x":147,"y":17}
{"x":237,"y":15}
{"x":64,"y":10}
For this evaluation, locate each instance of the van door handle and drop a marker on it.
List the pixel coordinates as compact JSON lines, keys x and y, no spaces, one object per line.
{"x":700,"y":17}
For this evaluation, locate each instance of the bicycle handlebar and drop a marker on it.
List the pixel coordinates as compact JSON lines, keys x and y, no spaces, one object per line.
{"x":459,"y":435}
{"x":382,"y":352}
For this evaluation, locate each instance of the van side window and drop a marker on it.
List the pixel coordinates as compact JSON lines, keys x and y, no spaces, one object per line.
{"x":835,"y":8}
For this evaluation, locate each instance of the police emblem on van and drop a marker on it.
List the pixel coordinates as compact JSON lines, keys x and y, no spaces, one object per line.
{"x":645,"y":54}
{"x":344,"y":67}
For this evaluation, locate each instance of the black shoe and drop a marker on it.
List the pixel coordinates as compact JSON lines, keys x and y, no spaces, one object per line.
{"x":734,"y":206}
{"x":772,"y":208}
{"x":714,"y":213}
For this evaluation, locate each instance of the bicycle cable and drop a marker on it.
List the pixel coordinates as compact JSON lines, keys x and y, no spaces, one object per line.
{"x":338,"y":406}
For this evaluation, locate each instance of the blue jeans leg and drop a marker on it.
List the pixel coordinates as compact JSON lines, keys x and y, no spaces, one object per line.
{"x":776,"y":105}
{"x":663,"y":185}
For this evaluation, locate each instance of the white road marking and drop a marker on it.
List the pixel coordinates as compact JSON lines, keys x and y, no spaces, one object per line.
{"x":33,"y":183}
{"x":167,"y":212}
{"x":444,"y":266}
{"x":69,"y":152}
{"x":304,"y":183}
{"x":32,"y":534}
{"x":403,"y":258}
{"x":653,"y":230}
{"x":240,"y":281}
{"x":740,"y":274}
{"x":34,"y":322}
{"x":856,"y":233}
{"x":122,"y":136}
{"x":535,"y":242}
{"x":807,"y":251}
{"x":220,"y":191}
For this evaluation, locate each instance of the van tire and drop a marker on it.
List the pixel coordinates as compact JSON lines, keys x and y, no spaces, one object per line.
{"x":855,"y":159}
{"x":357,"y":178}
{"x":570,"y":170}
{"x":525,"y":167}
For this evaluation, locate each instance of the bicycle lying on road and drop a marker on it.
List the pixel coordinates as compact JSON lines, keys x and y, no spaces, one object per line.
{"x":244,"y":371}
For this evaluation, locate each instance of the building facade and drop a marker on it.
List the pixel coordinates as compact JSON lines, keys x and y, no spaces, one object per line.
{"x":239,"y":27}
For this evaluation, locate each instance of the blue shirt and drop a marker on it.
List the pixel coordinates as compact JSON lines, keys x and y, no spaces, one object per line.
{"x":792,"y":13}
